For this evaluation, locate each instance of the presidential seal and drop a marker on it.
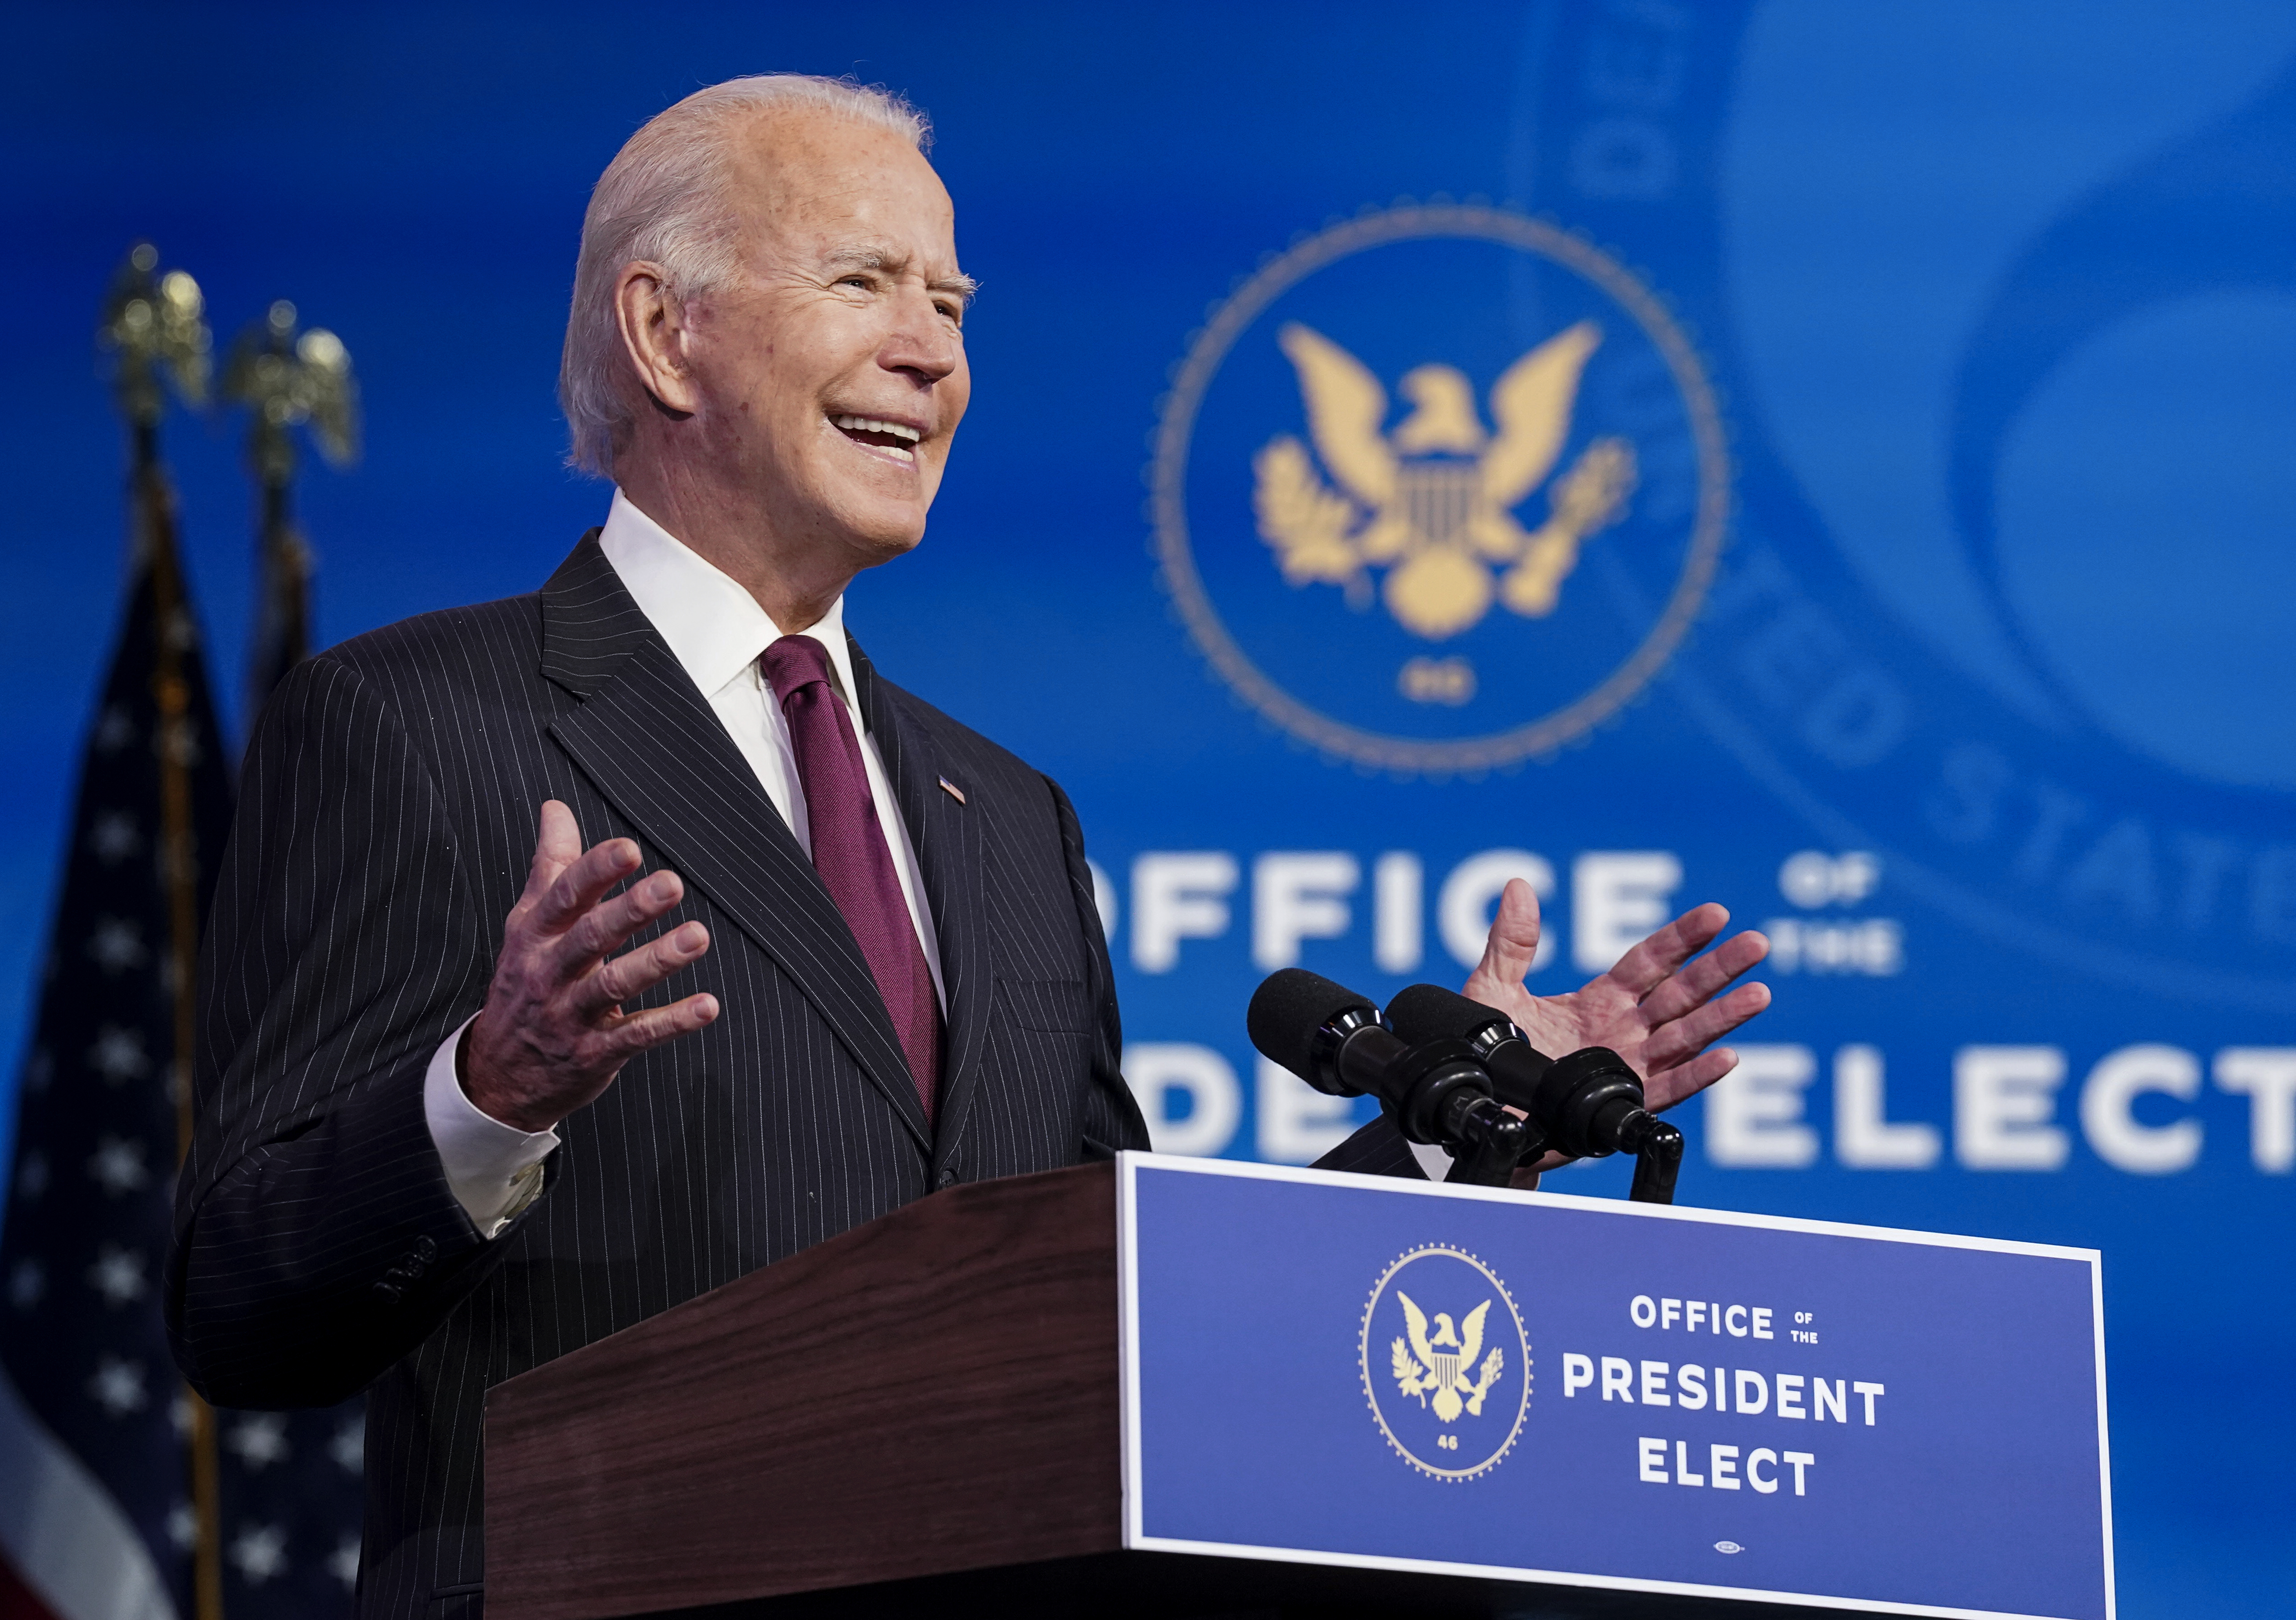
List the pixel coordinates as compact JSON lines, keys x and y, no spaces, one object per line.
{"x":1417,"y":478}
{"x":1445,"y":1361}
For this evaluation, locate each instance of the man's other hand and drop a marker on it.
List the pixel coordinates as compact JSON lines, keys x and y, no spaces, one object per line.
{"x":1660,"y":1015}
{"x":553,"y":1034}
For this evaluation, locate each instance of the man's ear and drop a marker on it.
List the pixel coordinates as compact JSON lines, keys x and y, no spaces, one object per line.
{"x":656,"y":336}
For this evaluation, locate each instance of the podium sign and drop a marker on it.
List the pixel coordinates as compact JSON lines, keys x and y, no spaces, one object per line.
{"x":1405,"y":1376}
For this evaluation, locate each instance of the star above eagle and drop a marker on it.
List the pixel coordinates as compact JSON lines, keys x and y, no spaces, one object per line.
{"x":1433,"y":502}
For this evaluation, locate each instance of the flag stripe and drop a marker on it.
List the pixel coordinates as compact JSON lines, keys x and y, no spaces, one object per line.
{"x":61,"y":1533}
{"x":19,"y":1601}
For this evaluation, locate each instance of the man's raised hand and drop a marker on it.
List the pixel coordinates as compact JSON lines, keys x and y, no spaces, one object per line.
{"x":1660,"y":1015}
{"x":553,"y":1034}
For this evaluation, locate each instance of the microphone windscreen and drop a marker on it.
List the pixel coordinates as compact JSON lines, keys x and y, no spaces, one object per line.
{"x":1421,"y":1013}
{"x":1287,"y":1009}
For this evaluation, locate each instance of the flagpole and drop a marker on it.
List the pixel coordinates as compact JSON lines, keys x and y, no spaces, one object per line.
{"x":155,"y":323}
{"x":181,"y":874}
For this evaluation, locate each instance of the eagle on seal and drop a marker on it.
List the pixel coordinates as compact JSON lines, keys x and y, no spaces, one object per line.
{"x":1433,"y":501}
{"x":1437,"y":1364}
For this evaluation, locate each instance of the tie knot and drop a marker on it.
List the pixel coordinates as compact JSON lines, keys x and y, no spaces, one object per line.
{"x":793,"y":662}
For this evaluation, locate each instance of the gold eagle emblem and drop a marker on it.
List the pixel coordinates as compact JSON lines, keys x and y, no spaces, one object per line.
{"x":1433,"y":503}
{"x":1438,"y":1364}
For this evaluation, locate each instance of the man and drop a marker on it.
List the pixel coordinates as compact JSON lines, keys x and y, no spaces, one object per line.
{"x":577,"y":953}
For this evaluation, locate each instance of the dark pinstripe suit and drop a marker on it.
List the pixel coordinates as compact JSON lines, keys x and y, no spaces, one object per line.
{"x":385,"y":827}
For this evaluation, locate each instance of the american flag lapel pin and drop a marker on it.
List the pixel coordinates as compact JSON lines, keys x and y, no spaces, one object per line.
{"x":952,"y":790}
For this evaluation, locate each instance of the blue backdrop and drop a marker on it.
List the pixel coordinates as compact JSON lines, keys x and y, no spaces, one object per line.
{"x":1909,"y":565}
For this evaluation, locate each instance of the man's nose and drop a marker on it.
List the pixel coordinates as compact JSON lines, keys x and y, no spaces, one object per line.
{"x":921,"y":343}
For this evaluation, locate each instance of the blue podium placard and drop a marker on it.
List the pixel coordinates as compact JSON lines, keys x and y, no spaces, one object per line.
{"x":1345,"y":1370}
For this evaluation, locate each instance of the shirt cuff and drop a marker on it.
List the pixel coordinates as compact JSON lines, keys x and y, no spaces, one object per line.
{"x":494,"y":1170}
{"x":1436,"y":1164}
{"x":1435,"y":1161}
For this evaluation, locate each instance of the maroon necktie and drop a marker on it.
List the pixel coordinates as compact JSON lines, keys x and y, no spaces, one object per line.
{"x":850,"y":852}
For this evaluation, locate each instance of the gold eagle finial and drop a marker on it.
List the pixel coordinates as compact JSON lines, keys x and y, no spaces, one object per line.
{"x":1433,"y":503}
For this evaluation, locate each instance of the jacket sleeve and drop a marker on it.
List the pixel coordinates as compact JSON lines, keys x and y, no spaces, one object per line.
{"x":1377,"y":1148}
{"x":1108,"y":1119}
{"x":315,"y":1238}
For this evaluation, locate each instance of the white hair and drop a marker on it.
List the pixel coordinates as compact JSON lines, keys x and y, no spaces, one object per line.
{"x":663,"y":199}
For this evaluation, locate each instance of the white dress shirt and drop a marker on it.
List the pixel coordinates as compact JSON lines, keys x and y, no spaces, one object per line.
{"x":717,"y":630}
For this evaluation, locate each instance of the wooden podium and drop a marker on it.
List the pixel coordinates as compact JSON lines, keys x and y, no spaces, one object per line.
{"x":920,"y":1416}
{"x":931,"y":1393}
{"x":1154,"y":1388}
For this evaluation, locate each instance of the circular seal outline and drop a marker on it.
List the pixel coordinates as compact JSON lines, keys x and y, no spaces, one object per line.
{"x":1371,"y":1393}
{"x":1210,"y":348}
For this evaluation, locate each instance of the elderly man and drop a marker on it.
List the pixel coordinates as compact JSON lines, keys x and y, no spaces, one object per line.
{"x":787,"y":948}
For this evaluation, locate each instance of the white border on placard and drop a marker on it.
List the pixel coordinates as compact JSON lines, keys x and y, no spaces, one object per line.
{"x":1571,"y":1200}
{"x":1136,"y":1536}
{"x":1128,"y":1343}
{"x":2104,"y":1433}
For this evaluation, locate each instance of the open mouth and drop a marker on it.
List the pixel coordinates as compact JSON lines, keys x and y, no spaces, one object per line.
{"x":896,"y":439}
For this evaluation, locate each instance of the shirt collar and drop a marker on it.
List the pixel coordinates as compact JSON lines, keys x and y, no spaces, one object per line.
{"x":715,"y":628}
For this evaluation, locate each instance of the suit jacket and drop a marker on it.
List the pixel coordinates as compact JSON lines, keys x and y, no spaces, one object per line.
{"x":386,"y":823}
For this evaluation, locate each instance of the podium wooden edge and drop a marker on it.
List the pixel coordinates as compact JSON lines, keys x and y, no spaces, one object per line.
{"x":1144,"y":1585}
{"x":961,"y":1411}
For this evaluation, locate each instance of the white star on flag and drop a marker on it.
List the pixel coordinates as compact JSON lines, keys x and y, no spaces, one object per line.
{"x":114,"y":837}
{"x":260,"y":1439}
{"x":117,"y":1165}
{"x":342,"y":1563}
{"x":117,"y":1386}
{"x":117,"y":1275}
{"x":26,"y":1284}
{"x":348,"y":1447}
{"x":117,"y":1054}
{"x":117,"y":944}
{"x":259,"y":1553}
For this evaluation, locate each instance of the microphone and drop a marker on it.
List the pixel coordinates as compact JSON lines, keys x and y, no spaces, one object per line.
{"x":1588,"y":1105}
{"x":1438,"y":1090}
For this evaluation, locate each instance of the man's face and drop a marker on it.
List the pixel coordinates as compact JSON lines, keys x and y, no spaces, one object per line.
{"x":833,"y":371}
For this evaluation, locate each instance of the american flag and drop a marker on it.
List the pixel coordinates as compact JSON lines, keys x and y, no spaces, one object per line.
{"x":98,"y":1518}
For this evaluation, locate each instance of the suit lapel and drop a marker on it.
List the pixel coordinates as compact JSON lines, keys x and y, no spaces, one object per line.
{"x":946,"y":834}
{"x":649,"y":742}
